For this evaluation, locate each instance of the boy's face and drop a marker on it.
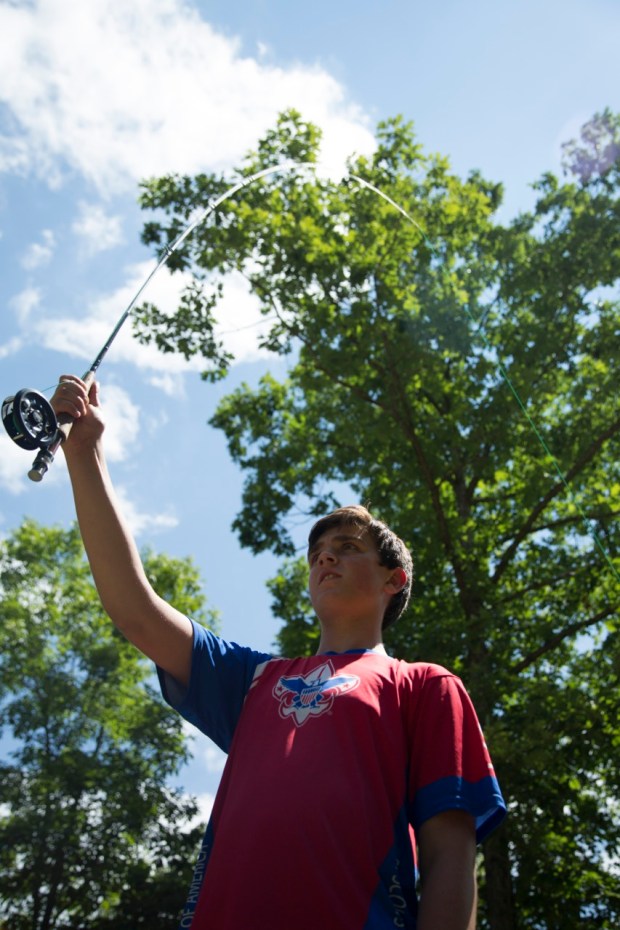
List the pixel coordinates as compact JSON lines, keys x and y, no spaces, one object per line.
{"x":345,"y":573}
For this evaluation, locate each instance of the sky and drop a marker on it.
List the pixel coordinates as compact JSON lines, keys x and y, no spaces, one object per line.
{"x":96,"y":96}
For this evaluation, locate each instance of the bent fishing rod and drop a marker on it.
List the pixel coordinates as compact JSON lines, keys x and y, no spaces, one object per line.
{"x":29,"y":417}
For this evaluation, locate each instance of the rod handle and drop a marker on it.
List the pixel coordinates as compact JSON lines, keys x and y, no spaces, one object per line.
{"x":45,"y":456}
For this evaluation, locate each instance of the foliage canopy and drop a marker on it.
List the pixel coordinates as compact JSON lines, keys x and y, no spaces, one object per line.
{"x":90,"y":834}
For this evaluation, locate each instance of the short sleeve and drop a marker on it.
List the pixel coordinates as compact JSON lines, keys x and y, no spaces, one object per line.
{"x":221,"y":675}
{"x":450,"y":767}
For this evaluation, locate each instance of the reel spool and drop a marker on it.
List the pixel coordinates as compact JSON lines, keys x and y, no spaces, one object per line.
{"x":29,"y":419}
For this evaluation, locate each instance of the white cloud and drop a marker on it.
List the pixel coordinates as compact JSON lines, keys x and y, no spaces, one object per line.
{"x":240,"y":322}
{"x":205,"y":806}
{"x":14,"y":465}
{"x":140,"y":522}
{"x":171,"y":383}
{"x":119,"y":92}
{"x":240,"y":326}
{"x":11,"y":347}
{"x":39,"y":253}
{"x":122,"y":418}
{"x":189,"y":730}
{"x":85,"y":337}
{"x":214,"y":758}
{"x":204,"y":802}
{"x":97,"y":230}
{"x":24,"y":303}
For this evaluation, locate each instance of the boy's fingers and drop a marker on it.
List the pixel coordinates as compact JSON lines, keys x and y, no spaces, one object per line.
{"x":70,"y":396}
{"x":71,"y":379}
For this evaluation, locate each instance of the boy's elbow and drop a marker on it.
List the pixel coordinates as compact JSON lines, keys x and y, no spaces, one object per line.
{"x":130,"y":615}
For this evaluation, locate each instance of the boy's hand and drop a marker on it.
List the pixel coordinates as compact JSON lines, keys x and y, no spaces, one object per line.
{"x":73,"y":398}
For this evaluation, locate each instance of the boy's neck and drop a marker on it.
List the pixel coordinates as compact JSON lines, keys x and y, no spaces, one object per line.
{"x":344,"y":641}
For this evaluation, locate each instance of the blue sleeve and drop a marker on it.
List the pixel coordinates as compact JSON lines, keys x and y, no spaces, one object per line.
{"x":221,"y":675}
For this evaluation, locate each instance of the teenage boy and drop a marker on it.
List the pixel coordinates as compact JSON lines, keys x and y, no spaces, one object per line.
{"x":343,"y":768}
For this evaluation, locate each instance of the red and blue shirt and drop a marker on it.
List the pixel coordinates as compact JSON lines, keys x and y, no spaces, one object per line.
{"x":334,"y":762}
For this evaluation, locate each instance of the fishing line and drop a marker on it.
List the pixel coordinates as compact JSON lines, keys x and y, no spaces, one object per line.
{"x":31,"y":422}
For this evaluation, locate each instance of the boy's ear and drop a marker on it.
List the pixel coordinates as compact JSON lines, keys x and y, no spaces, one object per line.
{"x":397,"y":580}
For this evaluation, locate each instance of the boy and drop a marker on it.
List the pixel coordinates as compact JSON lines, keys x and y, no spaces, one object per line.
{"x":333,"y":759}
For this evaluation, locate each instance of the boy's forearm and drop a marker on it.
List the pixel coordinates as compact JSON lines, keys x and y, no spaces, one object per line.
{"x":448,"y":900}
{"x":448,"y":896}
{"x":113,"y":555}
{"x":156,"y":628}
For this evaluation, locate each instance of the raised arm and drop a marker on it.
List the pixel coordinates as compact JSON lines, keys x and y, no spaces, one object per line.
{"x":155,"y":627}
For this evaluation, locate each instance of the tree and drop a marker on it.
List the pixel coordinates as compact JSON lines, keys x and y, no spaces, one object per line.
{"x":87,"y":821}
{"x":465,"y":381}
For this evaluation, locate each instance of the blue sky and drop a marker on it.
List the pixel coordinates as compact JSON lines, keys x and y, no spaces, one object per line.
{"x":97,"y":95}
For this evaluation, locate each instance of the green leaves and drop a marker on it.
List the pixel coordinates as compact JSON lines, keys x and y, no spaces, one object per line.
{"x":84,"y":787}
{"x":189,"y":331}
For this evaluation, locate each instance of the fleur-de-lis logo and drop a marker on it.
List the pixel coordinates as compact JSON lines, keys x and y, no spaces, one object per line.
{"x":311,"y":695}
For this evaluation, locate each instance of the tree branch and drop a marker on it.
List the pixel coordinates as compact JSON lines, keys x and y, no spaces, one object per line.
{"x":362,"y":395}
{"x":541,"y":585}
{"x":552,"y":493}
{"x":571,"y":630}
{"x":576,"y":518}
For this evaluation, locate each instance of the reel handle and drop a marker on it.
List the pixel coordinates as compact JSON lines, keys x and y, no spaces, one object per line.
{"x":45,"y":456}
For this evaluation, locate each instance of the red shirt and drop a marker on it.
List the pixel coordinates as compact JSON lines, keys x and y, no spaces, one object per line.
{"x":332,"y":760}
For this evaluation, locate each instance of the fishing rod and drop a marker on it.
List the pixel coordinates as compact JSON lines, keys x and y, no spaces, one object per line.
{"x":28,"y":416}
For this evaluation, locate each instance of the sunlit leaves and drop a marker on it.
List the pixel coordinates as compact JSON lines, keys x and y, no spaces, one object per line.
{"x":83,"y":790}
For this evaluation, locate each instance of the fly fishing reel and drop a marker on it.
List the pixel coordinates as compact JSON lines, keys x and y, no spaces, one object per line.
{"x":29,"y":419}
{"x":31,"y":422}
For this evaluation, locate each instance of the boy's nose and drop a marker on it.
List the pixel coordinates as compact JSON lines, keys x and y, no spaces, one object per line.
{"x":326,"y":555}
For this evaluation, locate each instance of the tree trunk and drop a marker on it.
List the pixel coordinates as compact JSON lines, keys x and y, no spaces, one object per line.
{"x":498,"y":883}
{"x":49,"y":918}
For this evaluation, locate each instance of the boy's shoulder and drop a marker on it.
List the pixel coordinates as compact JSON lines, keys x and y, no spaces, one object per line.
{"x":423,"y":671}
